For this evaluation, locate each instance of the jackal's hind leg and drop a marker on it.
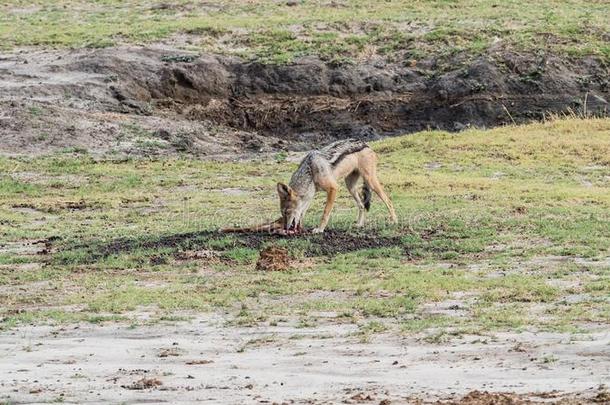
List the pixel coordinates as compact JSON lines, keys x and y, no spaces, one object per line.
{"x":351,"y":181}
{"x":371,"y":179}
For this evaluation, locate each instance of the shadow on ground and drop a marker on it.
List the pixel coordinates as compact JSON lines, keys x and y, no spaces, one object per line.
{"x":329,"y":243}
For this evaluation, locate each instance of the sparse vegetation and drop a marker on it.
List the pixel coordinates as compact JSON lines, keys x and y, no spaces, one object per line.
{"x":502,"y":222}
{"x":339,"y":31}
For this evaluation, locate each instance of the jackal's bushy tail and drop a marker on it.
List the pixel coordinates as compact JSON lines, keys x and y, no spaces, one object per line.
{"x":366,"y":196}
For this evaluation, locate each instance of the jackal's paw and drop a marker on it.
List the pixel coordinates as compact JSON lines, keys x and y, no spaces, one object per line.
{"x":317,"y":230}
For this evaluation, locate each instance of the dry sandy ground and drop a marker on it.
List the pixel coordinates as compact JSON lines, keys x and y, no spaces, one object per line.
{"x":54,"y":100}
{"x":206,"y":360}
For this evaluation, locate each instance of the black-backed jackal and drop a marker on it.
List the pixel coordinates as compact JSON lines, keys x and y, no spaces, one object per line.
{"x":347,"y":159}
{"x":322,"y":169}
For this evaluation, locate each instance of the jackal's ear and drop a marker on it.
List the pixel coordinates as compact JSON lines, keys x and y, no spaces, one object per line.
{"x":283,"y":190}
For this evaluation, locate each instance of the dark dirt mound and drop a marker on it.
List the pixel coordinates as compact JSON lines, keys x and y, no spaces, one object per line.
{"x":329,"y":243}
{"x":311,"y":98}
{"x":486,"y":398}
{"x":143,"y":384}
{"x":273,"y":258}
{"x":491,"y":398}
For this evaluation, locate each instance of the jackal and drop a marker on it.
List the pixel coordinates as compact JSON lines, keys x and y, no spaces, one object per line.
{"x":321,"y":169}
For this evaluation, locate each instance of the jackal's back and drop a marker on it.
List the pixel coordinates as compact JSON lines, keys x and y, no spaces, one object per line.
{"x":325,"y":159}
{"x":336,"y":151}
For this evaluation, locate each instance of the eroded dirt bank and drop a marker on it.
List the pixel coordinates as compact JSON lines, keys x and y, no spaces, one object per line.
{"x":159,"y":100}
{"x":208,"y":361}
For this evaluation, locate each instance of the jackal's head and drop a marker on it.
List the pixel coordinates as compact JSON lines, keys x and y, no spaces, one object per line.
{"x":288,"y":205}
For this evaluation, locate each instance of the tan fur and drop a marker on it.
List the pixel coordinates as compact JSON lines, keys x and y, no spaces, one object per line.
{"x":365,"y":163}
{"x":367,"y":167}
{"x":316,"y":170}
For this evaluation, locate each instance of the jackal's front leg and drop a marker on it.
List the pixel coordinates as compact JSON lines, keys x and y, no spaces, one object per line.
{"x":331,"y":195}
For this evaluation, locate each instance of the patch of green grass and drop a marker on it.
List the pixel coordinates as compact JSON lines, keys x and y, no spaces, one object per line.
{"x":242,"y":255}
{"x":419,"y":324}
{"x":510,"y":316}
{"x":518,"y":288}
{"x":548,"y":359}
{"x":368,"y":329}
{"x":35,"y":111}
{"x":11,"y":186}
{"x":53,"y":316}
{"x":128,"y":298}
{"x":356,"y":29}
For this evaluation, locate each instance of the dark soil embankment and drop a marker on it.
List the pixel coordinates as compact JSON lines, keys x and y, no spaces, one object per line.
{"x":159,"y":101}
{"x":310,"y":98}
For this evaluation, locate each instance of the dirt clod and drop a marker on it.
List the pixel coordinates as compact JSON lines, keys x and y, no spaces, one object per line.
{"x":361,"y":397}
{"x":144,"y":383}
{"x":198,"y":362}
{"x":487,"y":398}
{"x":156,"y":260}
{"x":508,"y":398}
{"x":273,"y":258}
{"x":603,"y":397}
{"x":75,"y":205}
{"x":169,"y":352}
